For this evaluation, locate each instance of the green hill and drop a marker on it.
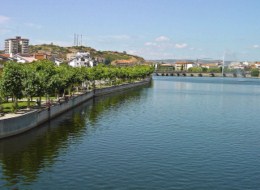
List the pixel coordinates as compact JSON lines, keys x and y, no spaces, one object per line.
{"x":61,"y":52}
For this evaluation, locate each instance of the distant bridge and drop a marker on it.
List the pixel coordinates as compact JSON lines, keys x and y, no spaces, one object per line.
{"x":202,"y":74}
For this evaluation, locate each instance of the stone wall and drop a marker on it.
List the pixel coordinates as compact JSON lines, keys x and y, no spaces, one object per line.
{"x":103,"y":91}
{"x":19,"y":124}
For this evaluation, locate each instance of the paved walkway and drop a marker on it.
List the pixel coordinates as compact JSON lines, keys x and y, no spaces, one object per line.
{"x":34,"y":108}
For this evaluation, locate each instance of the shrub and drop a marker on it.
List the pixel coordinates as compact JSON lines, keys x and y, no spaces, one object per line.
{"x":254,"y":72}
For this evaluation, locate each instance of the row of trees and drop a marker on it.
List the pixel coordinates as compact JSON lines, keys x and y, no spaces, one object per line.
{"x":43,"y":78}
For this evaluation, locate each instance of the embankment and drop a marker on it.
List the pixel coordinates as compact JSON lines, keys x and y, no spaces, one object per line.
{"x":21,"y":123}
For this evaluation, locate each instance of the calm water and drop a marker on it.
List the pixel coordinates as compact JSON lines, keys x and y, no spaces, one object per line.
{"x":178,"y":133}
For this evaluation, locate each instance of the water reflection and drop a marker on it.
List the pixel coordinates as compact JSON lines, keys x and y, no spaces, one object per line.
{"x":22,"y":158}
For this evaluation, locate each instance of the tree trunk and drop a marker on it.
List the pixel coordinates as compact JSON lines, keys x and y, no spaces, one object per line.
{"x":46,"y":96}
{"x":28,"y":103}
{"x":40,"y":101}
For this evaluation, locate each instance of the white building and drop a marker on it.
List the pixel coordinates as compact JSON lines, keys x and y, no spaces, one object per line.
{"x":82,"y":59}
{"x":16,"y":45}
{"x":22,"y":59}
{"x":257,"y":65}
{"x":184,"y":65}
{"x":237,"y":65}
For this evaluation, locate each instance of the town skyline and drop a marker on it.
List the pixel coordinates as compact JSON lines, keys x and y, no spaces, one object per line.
{"x":196,"y":29}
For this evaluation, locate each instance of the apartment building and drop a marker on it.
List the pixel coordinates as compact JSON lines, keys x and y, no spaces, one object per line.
{"x":17,"y":45}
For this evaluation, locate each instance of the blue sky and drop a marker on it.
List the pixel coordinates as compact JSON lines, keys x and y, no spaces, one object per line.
{"x":154,"y":29}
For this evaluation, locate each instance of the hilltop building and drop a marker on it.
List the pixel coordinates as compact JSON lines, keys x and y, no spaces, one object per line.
{"x":16,"y":45}
{"x":81,"y":59}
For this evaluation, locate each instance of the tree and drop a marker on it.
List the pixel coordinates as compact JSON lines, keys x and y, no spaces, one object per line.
{"x":11,"y":84}
{"x":108,"y":61}
{"x":255,"y":72}
{"x":44,"y":70}
{"x":30,"y":83}
{"x":195,"y":69}
{"x":215,"y":70}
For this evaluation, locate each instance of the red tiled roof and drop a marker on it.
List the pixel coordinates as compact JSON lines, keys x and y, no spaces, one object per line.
{"x":5,"y":55}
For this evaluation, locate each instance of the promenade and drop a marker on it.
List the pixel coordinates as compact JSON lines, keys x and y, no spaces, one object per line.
{"x":24,"y":120}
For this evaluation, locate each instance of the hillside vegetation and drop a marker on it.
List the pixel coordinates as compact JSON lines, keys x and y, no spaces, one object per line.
{"x":60,"y":52}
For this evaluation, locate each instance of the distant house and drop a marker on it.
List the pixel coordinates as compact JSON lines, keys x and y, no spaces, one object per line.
{"x":99,"y":60}
{"x":23,"y":59}
{"x":56,"y":60}
{"x":183,"y":65}
{"x":40,"y":56}
{"x":5,"y":57}
{"x":237,"y":65}
{"x":257,"y":65}
{"x":246,"y":63}
{"x":167,"y":65}
{"x":82,"y":59}
{"x":209,"y":65}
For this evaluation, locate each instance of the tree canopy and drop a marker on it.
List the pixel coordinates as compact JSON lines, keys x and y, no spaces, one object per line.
{"x":44,"y":78}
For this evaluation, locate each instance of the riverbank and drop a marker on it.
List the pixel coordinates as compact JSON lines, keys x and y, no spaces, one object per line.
{"x":14,"y":124}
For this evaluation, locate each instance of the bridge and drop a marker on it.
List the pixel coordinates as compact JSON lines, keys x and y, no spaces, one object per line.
{"x":201,"y":74}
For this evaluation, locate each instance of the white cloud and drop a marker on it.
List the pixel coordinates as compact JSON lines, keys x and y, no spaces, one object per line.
{"x":255,"y":46}
{"x":181,"y":46}
{"x":162,"y":39}
{"x":4,"y":19}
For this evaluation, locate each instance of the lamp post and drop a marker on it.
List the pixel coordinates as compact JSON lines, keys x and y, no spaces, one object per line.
{"x":223,"y":65}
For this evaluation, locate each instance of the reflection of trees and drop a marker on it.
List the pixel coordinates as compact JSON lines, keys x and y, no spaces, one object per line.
{"x":23,"y":162}
{"x":23,"y":157}
{"x":102,"y":103}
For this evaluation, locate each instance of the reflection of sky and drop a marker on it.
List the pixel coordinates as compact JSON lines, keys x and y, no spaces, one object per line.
{"x":224,"y":93}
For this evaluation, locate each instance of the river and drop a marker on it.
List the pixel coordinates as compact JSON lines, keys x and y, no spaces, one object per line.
{"x":177,"y":133}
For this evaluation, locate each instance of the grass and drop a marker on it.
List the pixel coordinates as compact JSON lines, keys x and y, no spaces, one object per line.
{"x":8,"y":106}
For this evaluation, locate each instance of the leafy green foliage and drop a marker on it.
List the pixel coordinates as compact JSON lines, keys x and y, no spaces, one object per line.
{"x":255,"y":72}
{"x":11,"y":80}
{"x":43,"y":78}
{"x":195,"y":69}
{"x":215,"y":70}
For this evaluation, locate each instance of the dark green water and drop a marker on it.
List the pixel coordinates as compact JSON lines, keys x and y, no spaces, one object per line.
{"x":178,"y":133}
